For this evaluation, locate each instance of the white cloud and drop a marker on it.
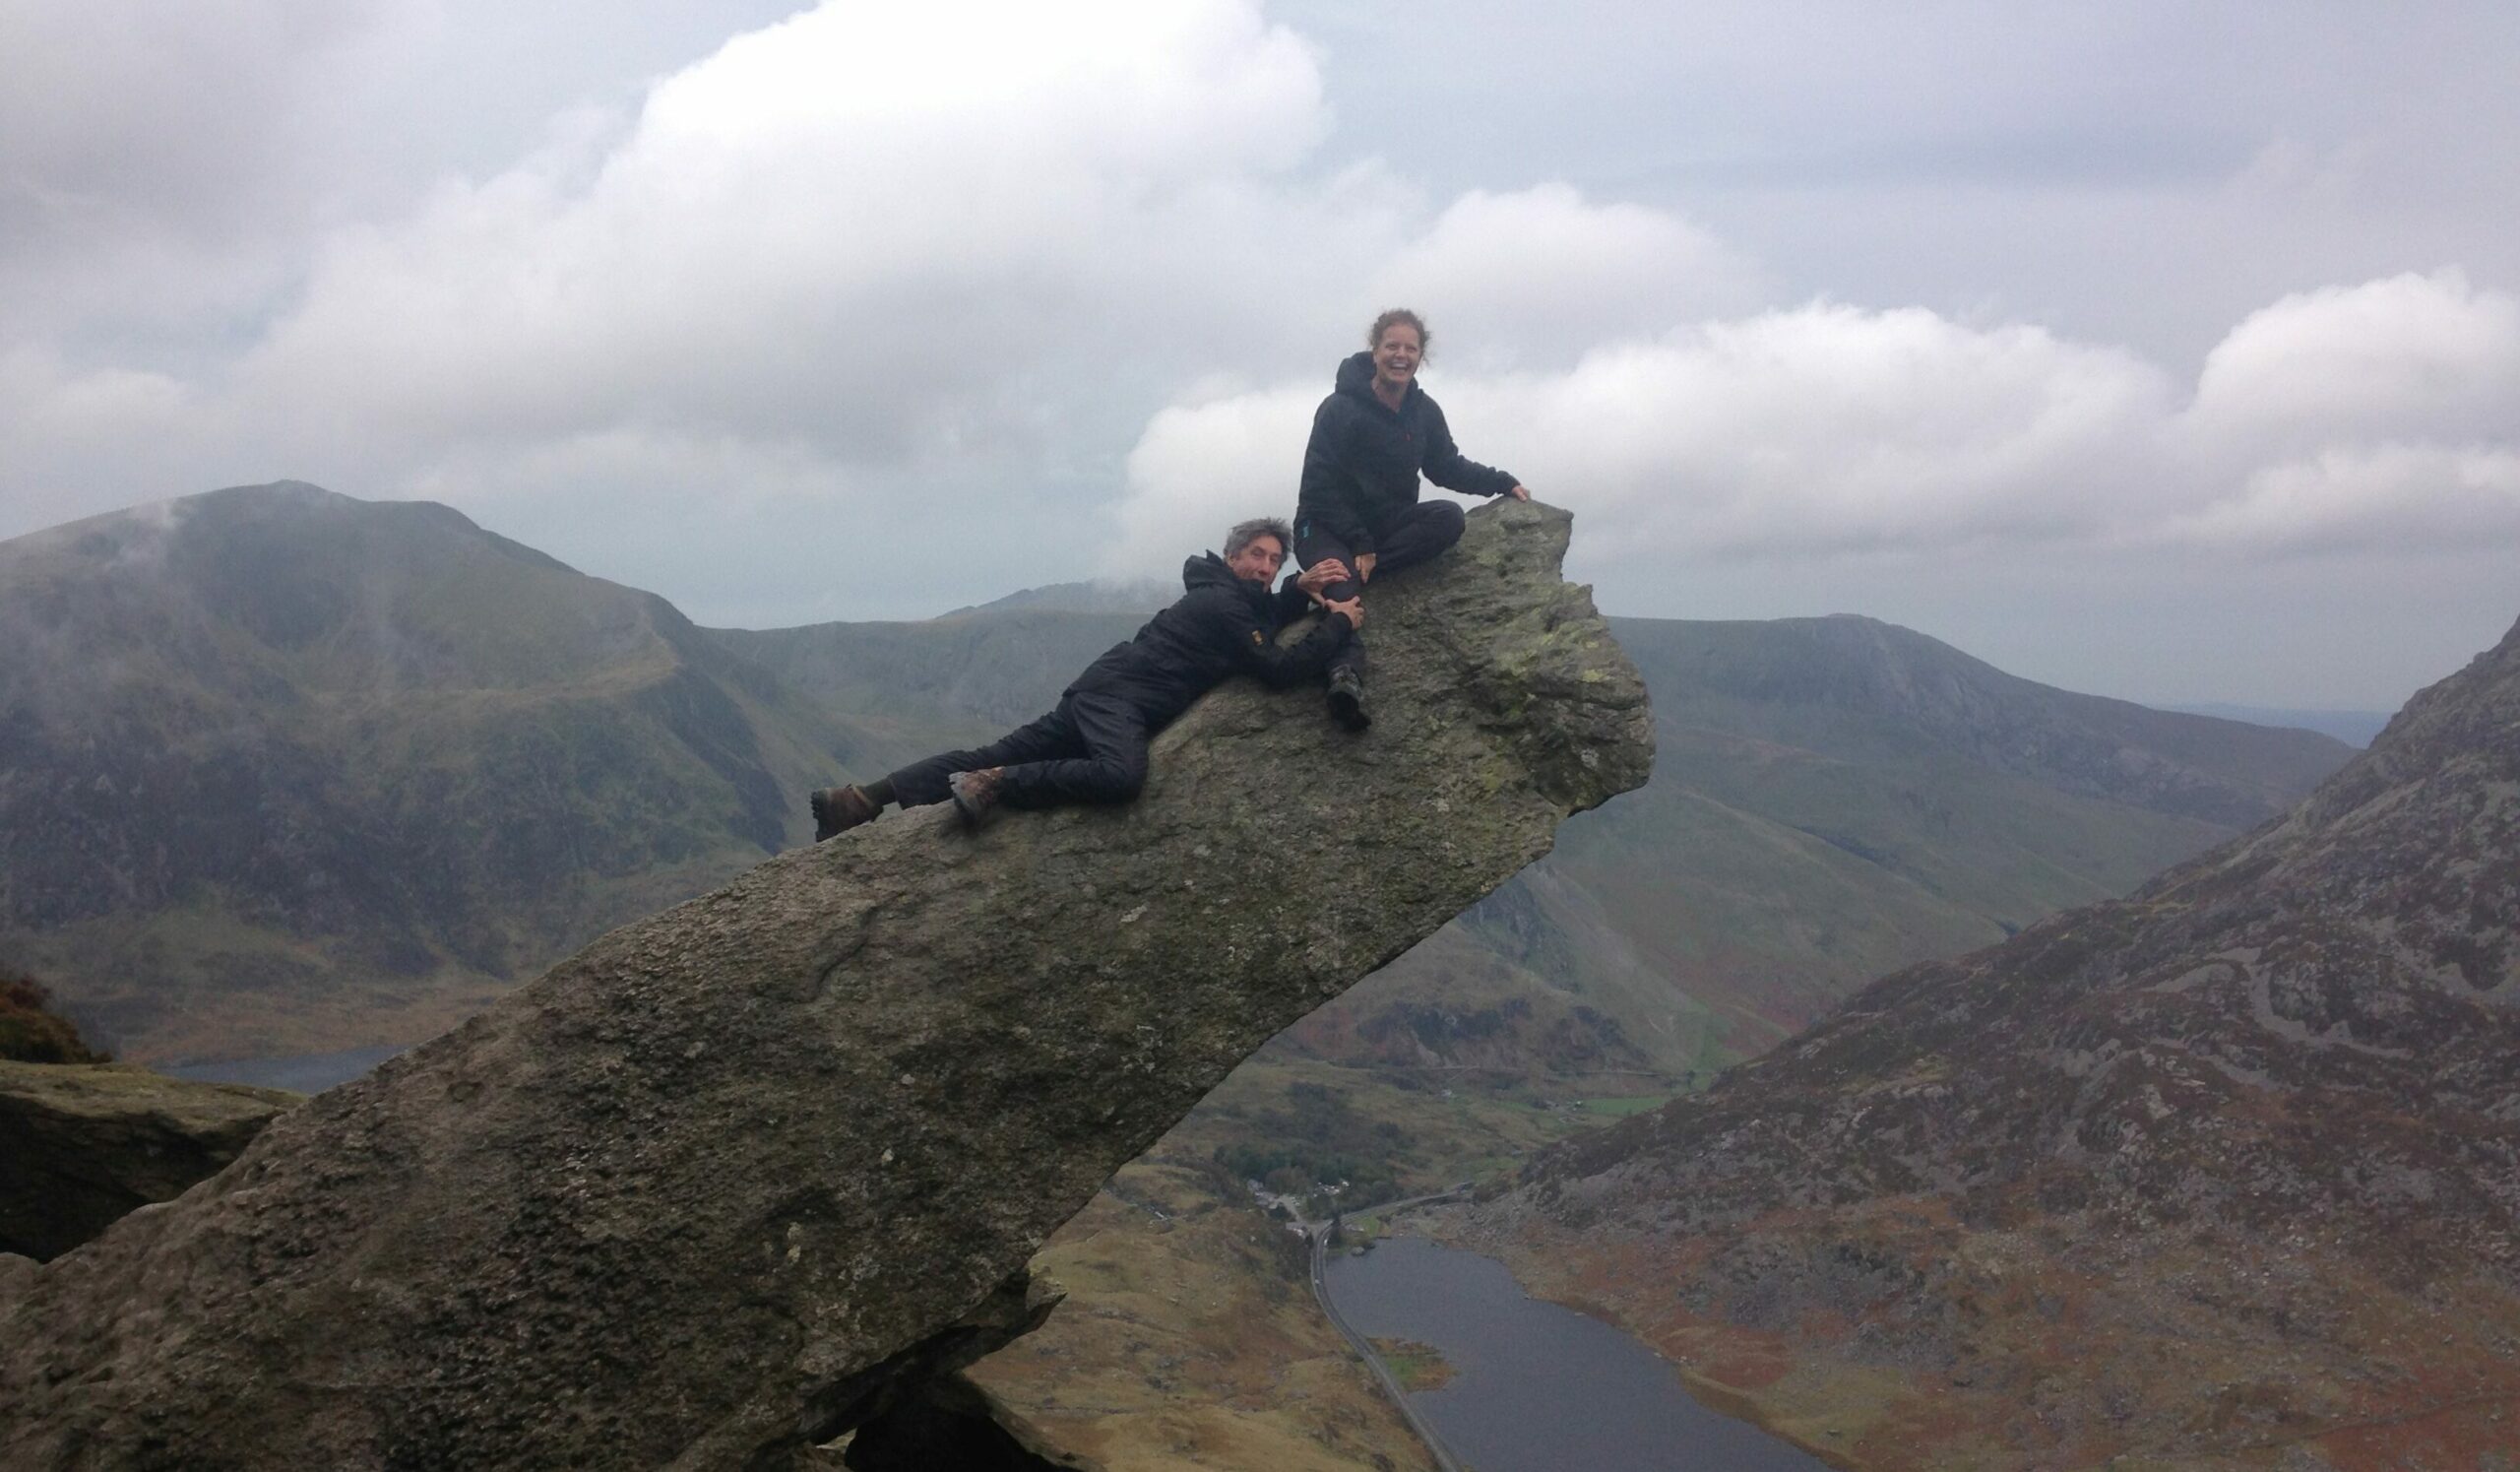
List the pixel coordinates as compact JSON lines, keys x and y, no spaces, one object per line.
{"x":2359,"y":498}
{"x":1542,"y":275}
{"x":2383,"y":416}
{"x":1813,"y":430}
{"x":1007,"y":285}
{"x":1200,"y":468}
{"x":864,"y":227}
{"x":894,"y":254}
{"x":2409,"y":356}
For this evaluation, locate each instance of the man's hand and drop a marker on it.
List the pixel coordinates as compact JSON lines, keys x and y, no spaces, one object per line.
{"x":1520,"y":494}
{"x":1364,"y":566}
{"x":1321,"y":575}
{"x":1354,"y":608}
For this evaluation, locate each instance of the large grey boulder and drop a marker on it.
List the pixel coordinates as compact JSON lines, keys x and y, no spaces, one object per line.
{"x":734,"y":1178}
{"x":87,"y":1142}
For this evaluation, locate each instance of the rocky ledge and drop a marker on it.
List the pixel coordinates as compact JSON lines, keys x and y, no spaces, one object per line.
{"x":737,"y":1177}
{"x":89,"y":1142}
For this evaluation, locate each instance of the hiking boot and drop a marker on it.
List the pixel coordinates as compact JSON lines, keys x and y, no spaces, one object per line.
{"x":1348,"y":700}
{"x":837,"y":810}
{"x":975,"y":795}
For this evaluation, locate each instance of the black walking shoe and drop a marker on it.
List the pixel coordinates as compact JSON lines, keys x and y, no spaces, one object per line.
{"x":837,"y":810}
{"x":975,"y":795}
{"x":1348,"y":700}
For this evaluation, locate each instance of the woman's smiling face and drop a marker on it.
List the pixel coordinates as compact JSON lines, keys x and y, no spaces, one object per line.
{"x":1396,"y":356}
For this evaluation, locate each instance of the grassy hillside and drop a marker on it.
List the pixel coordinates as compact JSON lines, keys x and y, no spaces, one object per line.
{"x":949,"y":679}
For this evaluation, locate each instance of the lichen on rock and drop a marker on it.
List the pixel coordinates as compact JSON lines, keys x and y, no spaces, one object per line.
{"x":735,"y":1178}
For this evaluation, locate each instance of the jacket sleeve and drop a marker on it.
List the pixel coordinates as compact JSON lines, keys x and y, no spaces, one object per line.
{"x":1328,"y":493}
{"x":1256,"y":649}
{"x":1448,"y":468}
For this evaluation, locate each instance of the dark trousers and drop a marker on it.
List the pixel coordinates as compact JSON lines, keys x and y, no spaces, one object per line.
{"x":1090,"y":749}
{"x":1417,"y":534}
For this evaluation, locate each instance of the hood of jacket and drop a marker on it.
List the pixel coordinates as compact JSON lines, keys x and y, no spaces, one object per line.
{"x":1356,"y":378}
{"x":1207,"y":570}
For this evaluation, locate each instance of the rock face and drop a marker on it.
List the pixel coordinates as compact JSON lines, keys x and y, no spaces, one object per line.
{"x":2230,"y":1165}
{"x":88,"y":1143}
{"x":724,"y":1184}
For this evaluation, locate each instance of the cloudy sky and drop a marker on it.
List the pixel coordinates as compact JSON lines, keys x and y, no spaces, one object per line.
{"x":2162,"y":349}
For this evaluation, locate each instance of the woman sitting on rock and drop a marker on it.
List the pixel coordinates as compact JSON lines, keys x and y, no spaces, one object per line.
{"x":1358,"y":503}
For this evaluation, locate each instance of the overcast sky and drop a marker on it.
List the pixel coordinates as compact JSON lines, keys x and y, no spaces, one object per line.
{"x":2167,"y":351}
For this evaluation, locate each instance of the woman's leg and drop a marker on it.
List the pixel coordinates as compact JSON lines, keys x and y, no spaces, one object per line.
{"x":1418,"y":534}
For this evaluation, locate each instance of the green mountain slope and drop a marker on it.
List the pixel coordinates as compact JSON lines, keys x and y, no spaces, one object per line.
{"x":967,"y":676}
{"x":1832,"y":798}
{"x":282,"y":771}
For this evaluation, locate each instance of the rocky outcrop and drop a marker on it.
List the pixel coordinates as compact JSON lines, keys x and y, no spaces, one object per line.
{"x":88,"y":1143}
{"x":31,"y":1032}
{"x":954,"y":1423}
{"x":2225,"y":1166}
{"x":734,"y":1178}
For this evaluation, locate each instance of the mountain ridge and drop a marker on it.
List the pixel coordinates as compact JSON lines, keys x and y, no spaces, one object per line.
{"x":287,"y":759}
{"x":2250,"y":1133}
{"x":409,"y":759}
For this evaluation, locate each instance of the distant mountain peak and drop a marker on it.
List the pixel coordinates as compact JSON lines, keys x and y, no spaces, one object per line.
{"x":1142,"y":596}
{"x":287,"y":768}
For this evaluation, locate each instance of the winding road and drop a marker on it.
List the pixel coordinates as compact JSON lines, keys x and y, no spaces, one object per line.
{"x":1318,"y":1235}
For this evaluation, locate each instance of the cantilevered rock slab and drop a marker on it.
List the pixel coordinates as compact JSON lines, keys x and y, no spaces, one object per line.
{"x":694,"y":1197}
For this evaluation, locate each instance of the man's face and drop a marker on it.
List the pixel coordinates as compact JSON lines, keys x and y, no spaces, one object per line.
{"x":1259,"y":560}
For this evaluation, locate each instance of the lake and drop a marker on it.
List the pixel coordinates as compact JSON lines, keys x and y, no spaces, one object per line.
{"x":1538,"y":1388}
{"x":302,"y":1073}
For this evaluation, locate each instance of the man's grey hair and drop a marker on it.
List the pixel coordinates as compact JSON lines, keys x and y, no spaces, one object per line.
{"x":1246,"y":532}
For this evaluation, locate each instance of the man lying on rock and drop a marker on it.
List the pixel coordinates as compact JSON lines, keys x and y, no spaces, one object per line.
{"x":1093,"y":748}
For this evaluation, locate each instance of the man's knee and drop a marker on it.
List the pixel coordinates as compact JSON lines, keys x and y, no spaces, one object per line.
{"x":1123,"y":774}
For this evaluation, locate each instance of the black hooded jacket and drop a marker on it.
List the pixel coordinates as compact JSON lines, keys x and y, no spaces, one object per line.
{"x":1363,"y":461}
{"x":1222,"y":626}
